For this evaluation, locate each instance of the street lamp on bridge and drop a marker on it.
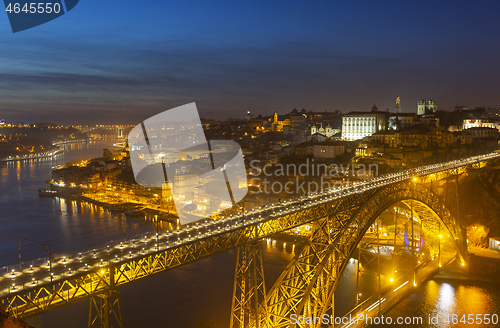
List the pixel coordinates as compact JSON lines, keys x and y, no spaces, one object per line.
{"x":47,"y":249}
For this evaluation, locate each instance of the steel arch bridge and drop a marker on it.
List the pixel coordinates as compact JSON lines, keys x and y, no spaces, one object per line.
{"x":339,"y":218}
{"x":307,"y":286}
{"x":119,"y":130}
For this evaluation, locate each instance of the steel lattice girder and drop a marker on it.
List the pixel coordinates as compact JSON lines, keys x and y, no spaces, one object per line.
{"x":51,"y":295}
{"x":452,"y":172}
{"x":105,"y":310}
{"x":31,"y":301}
{"x":249,"y":290}
{"x":307,"y":285}
{"x":38,"y":300}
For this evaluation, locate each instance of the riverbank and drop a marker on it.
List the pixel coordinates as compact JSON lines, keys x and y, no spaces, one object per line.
{"x":31,"y":156}
{"x":121,"y":206}
{"x":477,"y":268}
{"x":126,"y":208}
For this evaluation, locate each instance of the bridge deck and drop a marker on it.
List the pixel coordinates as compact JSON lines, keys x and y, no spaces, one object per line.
{"x":34,"y":288}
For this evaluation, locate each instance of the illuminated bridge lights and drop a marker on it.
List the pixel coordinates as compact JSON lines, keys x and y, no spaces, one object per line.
{"x":228,"y":232}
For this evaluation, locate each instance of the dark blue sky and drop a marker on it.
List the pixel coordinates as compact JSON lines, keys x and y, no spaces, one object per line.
{"x":123,"y":61}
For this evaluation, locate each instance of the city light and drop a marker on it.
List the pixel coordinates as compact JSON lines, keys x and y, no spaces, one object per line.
{"x":185,"y":233}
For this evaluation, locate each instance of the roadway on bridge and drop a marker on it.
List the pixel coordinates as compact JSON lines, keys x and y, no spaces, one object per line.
{"x":31,"y":275}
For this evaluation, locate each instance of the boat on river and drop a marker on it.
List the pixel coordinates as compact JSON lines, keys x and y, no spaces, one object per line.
{"x":47,"y":193}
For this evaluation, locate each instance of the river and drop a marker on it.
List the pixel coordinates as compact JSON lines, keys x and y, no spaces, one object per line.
{"x":177,"y":298}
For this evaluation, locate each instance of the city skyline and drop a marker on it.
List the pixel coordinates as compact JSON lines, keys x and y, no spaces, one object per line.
{"x":261,"y":164}
{"x":93,"y":66}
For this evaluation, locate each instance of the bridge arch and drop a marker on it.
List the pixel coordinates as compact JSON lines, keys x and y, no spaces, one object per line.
{"x":306,"y":287}
{"x":426,"y":206}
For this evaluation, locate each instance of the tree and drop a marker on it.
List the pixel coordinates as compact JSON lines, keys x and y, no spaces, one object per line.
{"x":476,"y":234}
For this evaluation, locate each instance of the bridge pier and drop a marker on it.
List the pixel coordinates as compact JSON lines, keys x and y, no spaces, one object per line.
{"x":339,"y":220}
{"x":105,"y":310}
{"x":249,"y":290}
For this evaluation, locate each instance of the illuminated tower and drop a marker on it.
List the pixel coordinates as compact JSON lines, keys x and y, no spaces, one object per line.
{"x":398,"y":105}
{"x":427,"y":107}
{"x":314,"y":129}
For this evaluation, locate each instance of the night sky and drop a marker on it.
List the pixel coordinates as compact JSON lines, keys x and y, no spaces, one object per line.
{"x":123,"y":61}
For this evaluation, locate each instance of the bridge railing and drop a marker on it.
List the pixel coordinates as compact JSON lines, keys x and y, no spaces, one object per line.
{"x":278,"y":210}
{"x":342,"y":190}
{"x":62,"y":257}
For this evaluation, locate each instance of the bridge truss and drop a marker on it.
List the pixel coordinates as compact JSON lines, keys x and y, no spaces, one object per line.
{"x":307,"y":285}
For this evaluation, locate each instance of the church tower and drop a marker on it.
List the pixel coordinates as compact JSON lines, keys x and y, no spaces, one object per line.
{"x":398,"y":105}
{"x":328,"y":131}
{"x":313,"y":129}
{"x":427,"y":107}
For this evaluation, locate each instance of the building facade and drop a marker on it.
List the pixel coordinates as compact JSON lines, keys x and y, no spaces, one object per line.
{"x":479,"y":123}
{"x":328,"y":150}
{"x":357,"y":125}
{"x":480,"y":133}
{"x":321,"y":150}
{"x":402,"y":121}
